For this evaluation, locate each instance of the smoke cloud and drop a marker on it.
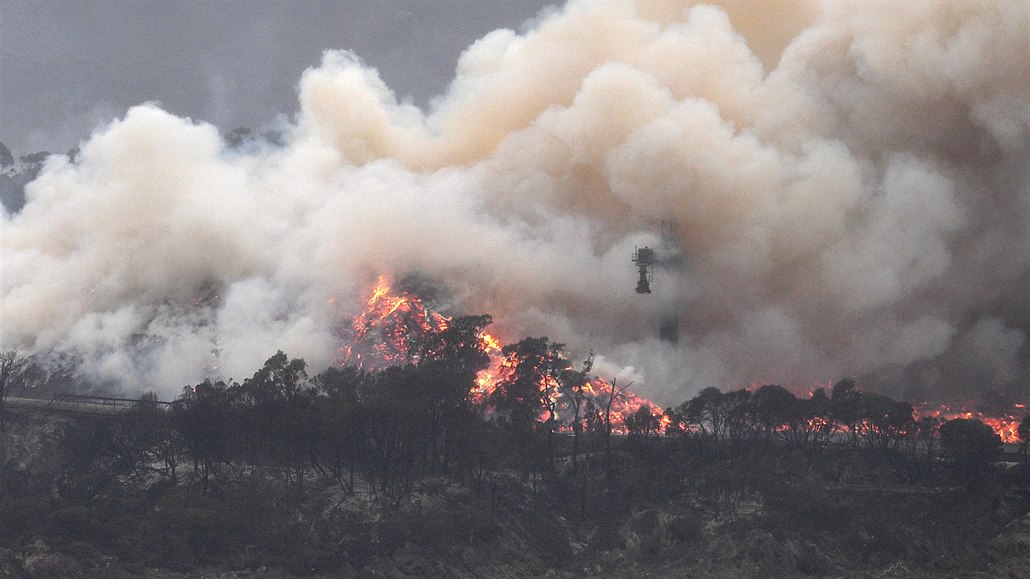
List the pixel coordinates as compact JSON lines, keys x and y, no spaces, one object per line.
{"x":849,"y":188}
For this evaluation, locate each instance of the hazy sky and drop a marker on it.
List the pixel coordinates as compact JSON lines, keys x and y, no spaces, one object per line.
{"x":66,"y":67}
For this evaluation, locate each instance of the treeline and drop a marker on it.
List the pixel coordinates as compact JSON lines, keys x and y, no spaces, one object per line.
{"x":846,"y":420}
{"x":391,"y":428}
{"x":386,"y":429}
{"x":773,"y":413}
{"x":228,"y":465}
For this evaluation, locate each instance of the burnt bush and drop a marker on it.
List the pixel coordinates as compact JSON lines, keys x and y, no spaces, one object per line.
{"x":685,"y":529}
{"x":453,"y":526}
{"x":605,"y":536}
{"x":23,"y":517}
{"x":81,"y":523}
{"x":547,"y":539}
{"x":806,"y":508}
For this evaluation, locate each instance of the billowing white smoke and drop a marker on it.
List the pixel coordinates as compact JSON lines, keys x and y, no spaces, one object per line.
{"x":860,"y":207}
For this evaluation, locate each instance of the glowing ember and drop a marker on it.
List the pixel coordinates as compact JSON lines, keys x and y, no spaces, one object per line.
{"x":391,"y":324}
{"x":383,"y":334}
{"x":497,"y":371}
{"x":1005,"y":425}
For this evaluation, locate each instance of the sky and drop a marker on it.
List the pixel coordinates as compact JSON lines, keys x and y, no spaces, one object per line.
{"x":67,"y":67}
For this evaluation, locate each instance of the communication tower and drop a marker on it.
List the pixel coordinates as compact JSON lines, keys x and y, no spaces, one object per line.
{"x":645,"y":260}
{"x":668,"y":256}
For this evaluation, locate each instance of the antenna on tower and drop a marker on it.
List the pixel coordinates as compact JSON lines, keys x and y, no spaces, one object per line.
{"x":668,"y":256}
{"x":645,"y":260}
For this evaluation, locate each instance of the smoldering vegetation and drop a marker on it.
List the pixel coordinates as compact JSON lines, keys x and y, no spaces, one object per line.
{"x":854,"y":202}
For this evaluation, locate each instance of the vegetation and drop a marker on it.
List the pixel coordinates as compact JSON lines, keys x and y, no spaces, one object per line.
{"x":399,"y":469}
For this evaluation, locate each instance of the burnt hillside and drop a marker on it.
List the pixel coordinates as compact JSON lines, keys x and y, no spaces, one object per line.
{"x":397,"y":473}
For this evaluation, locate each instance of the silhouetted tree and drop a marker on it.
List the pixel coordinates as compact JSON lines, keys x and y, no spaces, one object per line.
{"x":275,"y":404}
{"x":928,"y":431}
{"x":738,"y":414}
{"x":643,"y":423}
{"x":450,"y":360}
{"x":93,"y":457}
{"x":205,"y":419}
{"x":150,"y":437}
{"x":804,"y":426}
{"x":340,"y":423}
{"x":707,"y":412}
{"x":396,"y":433}
{"x":846,"y":408}
{"x":772,"y":406}
{"x":602,"y":421}
{"x":885,"y":422}
{"x":527,"y":396}
{"x":573,"y":384}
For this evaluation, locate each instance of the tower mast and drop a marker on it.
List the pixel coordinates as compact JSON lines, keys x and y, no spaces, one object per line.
{"x":668,"y":256}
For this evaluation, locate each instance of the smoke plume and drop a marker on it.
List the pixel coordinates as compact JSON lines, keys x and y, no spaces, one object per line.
{"x":849,"y":188}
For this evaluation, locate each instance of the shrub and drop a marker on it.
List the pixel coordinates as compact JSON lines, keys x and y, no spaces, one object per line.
{"x":22,"y":518}
{"x":80,"y":523}
{"x":686,"y":529}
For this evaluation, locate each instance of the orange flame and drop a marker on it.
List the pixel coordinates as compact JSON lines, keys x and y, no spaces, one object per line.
{"x":385,"y":331}
{"x":1005,"y":426}
{"x":383,"y":334}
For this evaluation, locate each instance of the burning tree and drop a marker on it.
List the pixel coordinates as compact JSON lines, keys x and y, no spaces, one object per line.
{"x":1004,"y":418}
{"x":529,"y":392}
{"x":885,"y":422}
{"x":419,"y":393}
{"x":388,"y":330}
{"x":530,"y":382}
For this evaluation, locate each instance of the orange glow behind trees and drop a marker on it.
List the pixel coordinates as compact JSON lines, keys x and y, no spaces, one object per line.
{"x":393,"y":324}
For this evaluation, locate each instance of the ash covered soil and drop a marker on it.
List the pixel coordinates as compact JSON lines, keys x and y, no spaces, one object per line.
{"x":672,"y":512}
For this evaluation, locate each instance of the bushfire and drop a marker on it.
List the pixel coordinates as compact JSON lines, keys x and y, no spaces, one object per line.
{"x":392,"y":321}
{"x":383,"y":333}
{"x":1004,"y":424}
